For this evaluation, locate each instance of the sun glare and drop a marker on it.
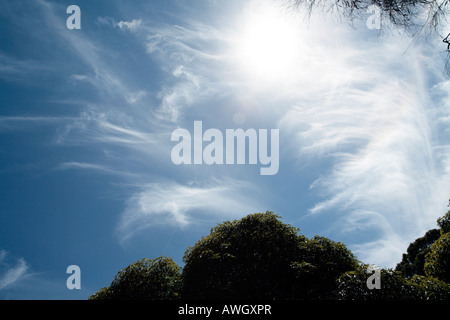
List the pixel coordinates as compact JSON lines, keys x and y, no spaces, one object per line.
{"x":268,"y":45}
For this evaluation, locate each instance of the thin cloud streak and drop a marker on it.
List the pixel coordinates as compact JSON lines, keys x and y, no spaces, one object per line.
{"x":13,"y":69}
{"x":92,"y":126}
{"x":95,"y":167}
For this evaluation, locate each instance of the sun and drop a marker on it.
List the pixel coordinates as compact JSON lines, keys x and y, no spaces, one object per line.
{"x":268,"y":45}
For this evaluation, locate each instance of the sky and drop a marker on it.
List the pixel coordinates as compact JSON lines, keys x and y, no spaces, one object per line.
{"x":87,"y":118}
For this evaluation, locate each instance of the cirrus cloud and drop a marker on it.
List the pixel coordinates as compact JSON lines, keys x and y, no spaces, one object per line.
{"x":10,"y":273}
{"x":170,"y":203}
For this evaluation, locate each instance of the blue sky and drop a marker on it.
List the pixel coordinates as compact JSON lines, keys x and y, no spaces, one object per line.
{"x":86,"y":119}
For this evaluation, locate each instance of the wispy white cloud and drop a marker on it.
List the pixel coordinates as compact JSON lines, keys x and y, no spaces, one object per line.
{"x":173,"y":204}
{"x":11,"y":273}
{"x":132,"y":25}
{"x":96,"y":168}
{"x":104,"y":77}
{"x":82,"y":165}
{"x":5,"y":119}
{"x":115,"y":131}
{"x":22,"y":70}
{"x":187,"y":53}
{"x":368,"y":110}
{"x":136,"y":96}
{"x":22,"y":123}
{"x":129,"y":25}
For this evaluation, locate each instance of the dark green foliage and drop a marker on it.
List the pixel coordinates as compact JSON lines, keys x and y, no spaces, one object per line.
{"x":444,"y":223}
{"x":249,"y":258}
{"x":414,"y":260}
{"x":102,"y":294}
{"x":323,"y":262}
{"x":438,"y":259}
{"x":353,"y":286}
{"x":430,"y":288}
{"x":146,"y":279}
{"x":430,"y":254}
{"x":259,"y":257}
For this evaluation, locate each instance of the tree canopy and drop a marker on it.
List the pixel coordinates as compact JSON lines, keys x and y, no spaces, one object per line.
{"x":146,"y":279}
{"x":423,"y":273}
{"x":429,"y":255}
{"x":413,"y":260}
{"x":444,"y":223}
{"x":353,"y":286}
{"x":438,"y":259}
{"x":260,"y":257}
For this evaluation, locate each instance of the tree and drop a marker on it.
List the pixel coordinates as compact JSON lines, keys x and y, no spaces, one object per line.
{"x":444,"y":223}
{"x":259,"y":257}
{"x":102,"y":294}
{"x":423,"y":273}
{"x":324,"y":261}
{"x":430,"y":288}
{"x":146,"y":279}
{"x":353,"y":286}
{"x":438,"y":259}
{"x":393,"y":286}
{"x":414,"y":260}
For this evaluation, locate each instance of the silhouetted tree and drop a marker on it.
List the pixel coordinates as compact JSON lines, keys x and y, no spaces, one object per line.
{"x":413,"y":260}
{"x":259,"y":257}
{"x":393,"y":286}
{"x":437,"y":262}
{"x":444,"y":223}
{"x":146,"y":279}
{"x":323,"y":262}
{"x":425,"y":250}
